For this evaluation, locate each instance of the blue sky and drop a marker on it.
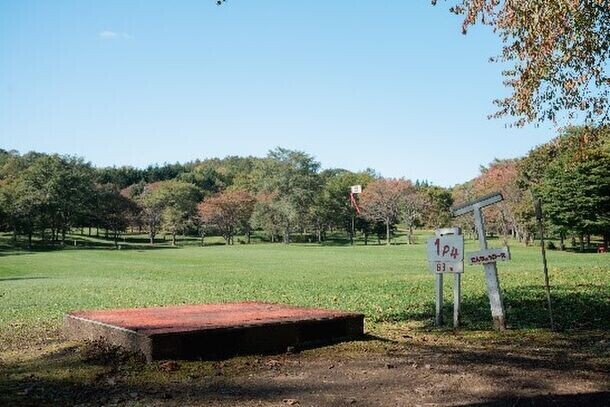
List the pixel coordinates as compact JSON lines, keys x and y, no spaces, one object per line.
{"x":390,"y":85}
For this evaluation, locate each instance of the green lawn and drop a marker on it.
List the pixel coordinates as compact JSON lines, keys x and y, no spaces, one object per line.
{"x":385,"y":283}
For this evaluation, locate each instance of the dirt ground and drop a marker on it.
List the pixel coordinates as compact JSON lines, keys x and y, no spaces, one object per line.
{"x":393,"y":366}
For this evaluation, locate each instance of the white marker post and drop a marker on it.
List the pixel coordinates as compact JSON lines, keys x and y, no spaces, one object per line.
{"x":446,"y":255}
{"x":354,"y":190}
{"x":491,"y":271}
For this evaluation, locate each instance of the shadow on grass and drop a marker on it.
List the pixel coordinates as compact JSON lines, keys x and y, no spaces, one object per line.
{"x":526,"y":308}
{"x":21,"y":278}
{"x":20,"y":248}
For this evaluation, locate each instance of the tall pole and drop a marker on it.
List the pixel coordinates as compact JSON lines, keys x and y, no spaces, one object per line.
{"x":351,"y":238}
{"x":491,"y":276}
{"x":544,"y":264}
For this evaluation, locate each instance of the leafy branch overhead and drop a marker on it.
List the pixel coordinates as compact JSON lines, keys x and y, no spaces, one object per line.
{"x":557,"y":52}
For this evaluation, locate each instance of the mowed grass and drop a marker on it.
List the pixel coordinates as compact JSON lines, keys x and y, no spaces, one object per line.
{"x":387,"y":284}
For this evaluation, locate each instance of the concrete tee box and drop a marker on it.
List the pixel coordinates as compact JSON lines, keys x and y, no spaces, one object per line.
{"x":213,"y":331}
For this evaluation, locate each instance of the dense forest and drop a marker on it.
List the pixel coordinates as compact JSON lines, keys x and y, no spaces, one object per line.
{"x":287,"y":196}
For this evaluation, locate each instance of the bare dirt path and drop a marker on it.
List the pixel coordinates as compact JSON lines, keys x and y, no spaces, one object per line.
{"x":396,"y":367}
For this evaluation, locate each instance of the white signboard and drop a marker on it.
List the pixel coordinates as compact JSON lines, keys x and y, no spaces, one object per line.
{"x":446,"y":254}
{"x":489,"y":256}
{"x":356,"y":189}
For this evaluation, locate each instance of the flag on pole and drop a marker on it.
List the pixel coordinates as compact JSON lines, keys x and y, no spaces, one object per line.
{"x":354,"y":203}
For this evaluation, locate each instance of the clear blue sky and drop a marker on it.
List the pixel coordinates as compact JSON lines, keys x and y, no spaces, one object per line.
{"x":390,"y":85}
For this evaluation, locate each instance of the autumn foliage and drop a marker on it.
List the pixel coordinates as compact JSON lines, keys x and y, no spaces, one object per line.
{"x":228,"y":211}
{"x":556,"y":51}
{"x":384,"y":200}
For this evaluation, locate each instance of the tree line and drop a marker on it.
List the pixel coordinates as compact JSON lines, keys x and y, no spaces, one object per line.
{"x":287,"y":196}
{"x":570,"y":175}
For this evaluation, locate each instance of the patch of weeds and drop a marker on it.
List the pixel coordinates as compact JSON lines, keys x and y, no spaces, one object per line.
{"x":100,"y":352}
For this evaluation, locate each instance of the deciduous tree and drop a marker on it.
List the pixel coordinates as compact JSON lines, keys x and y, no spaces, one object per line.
{"x":557,"y":52}
{"x":229,"y":211}
{"x":383,"y":200}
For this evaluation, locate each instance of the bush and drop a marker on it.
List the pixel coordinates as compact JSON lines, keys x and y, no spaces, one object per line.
{"x":551,"y":246}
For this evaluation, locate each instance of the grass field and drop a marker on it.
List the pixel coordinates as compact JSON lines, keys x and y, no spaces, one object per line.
{"x":385,"y":283}
{"x":391,"y":285}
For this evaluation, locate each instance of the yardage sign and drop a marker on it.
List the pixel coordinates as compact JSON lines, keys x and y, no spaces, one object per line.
{"x":356,"y":189}
{"x":446,"y":254}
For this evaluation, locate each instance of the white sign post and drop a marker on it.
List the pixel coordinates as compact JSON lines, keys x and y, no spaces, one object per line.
{"x":446,"y":255}
{"x":354,"y":190}
{"x":486,"y":256}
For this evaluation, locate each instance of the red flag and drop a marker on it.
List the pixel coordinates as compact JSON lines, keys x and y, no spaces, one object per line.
{"x":354,"y":204}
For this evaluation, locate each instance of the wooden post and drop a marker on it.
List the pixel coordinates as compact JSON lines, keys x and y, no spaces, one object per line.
{"x":439,"y":299}
{"x":491,"y":275}
{"x":351,"y":236}
{"x":457,"y":299}
{"x":544,"y":264}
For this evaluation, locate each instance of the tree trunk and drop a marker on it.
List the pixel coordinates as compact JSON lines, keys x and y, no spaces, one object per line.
{"x":116,"y":240}
{"x":387,"y":231}
{"x":152,"y":238}
{"x":63,"y":236}
{"x":319,"y":235}
{"x":588,"y":241}
{"x":410,"y":240}
{"x":606,"y":239}
{"x":89,"y":231}
{"x":562,"y":244}
{"x":581,"y":241}
{"x":366,"y":239}
{"x":286,"y":235}
{"x":173,"y":239}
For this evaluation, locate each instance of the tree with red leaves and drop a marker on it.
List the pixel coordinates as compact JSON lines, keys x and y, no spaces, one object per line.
{"x":557,"y":54}
{"x":384,"y":200}
{"x":229,"y":211}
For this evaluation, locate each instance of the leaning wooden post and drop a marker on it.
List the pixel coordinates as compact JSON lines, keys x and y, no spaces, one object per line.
{"x":544,"y":264}
{"x":487,"y":257}
{"x":491,"y":276}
